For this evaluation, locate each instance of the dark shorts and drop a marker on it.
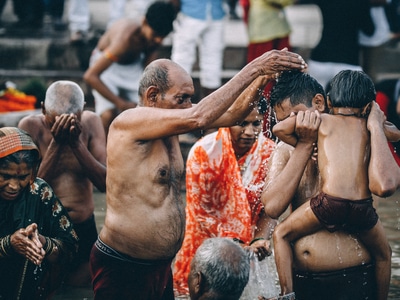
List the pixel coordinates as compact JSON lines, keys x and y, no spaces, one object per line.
{"x":342,"y":214}
{"x":354,"y":283}
{"x":118,"y":276}
{"x":87,"y":233}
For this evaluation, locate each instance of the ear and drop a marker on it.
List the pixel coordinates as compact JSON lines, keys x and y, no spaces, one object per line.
{"x":43,"y":109}
{"x":150,"y":96}
{"x":198,"y":283}
{"x":318,"y":101}
{"x":365,"y":111}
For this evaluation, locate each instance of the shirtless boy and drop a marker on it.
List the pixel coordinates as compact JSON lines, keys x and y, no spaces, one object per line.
{"x":145,"y":218}
{"x":117,"y":62}
{"x":73,"y":145}
{"x":326,"y":266}
{"x":345,"y":202}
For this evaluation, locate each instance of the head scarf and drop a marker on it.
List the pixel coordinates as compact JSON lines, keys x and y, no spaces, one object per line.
{"x":13,"y":139}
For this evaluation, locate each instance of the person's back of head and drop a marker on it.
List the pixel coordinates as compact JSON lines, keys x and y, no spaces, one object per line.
{"x":160,"y":17}
{"x":64,"y":97}
{"x":297,"y":86}
{"x":351,"y":88}
{"x":219,"y":270}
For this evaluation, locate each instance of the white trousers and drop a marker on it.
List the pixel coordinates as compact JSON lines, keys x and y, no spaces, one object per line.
{"x":190,"y":33}
{"x":79,"y":15}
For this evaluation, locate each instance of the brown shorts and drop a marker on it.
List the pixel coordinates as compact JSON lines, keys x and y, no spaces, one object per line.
{"x":355,"y":283}
{"x":342,"y":214}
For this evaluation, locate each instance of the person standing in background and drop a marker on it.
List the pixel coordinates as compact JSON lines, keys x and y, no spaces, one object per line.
{"x":267,"y":26}
{"x":200,"y":24}
{"x":372,"y":46}
{"x":338,"y":48}
{"x":79,"y":20}
{"x":121,"y":53}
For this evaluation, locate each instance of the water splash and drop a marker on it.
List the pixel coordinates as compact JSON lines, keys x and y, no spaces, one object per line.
{"x":263,"y":279}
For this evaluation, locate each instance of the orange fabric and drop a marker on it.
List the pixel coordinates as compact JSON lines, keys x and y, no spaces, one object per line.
{"x":216,"y":195}
{"x":14,"y":100}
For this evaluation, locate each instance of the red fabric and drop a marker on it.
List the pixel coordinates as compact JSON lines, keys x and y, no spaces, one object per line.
{"x":222,"y":195}
{"x":255,"y":50}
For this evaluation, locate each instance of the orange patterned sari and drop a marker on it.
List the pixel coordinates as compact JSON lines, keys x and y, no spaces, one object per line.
{"x":217,"y":187}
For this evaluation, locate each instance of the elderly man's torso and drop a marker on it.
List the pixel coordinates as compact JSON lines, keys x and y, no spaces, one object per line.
{"x":145,"y":213}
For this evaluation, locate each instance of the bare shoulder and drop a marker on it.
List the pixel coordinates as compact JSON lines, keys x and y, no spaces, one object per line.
{"x":90,"y":116}
{"x":26,"y":121}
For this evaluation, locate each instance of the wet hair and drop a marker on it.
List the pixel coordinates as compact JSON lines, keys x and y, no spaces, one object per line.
{"x":64,"y":97}
{"x":160,"y":17}
{"x":262,"y":106}
{"x":298,"y":86}
{"x":30,"y":157}
{"x":225,"y":266}
{"x":351,"y":88}
{"x":155,"y":74}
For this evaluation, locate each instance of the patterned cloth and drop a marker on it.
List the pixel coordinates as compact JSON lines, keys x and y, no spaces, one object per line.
{"x":13,"y":139}
{"x":37,"y":204}
{"x":217,"y":186}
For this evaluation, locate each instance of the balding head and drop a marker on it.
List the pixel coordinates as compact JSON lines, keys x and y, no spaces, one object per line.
{"x":64,"y":97}
{"x":157,"y":74}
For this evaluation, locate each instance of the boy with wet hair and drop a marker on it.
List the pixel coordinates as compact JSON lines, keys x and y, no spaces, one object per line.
{"x":342,"y":204}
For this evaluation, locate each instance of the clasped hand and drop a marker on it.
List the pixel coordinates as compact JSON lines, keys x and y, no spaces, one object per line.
{"x":66,"y":129}
{"x":25,"y":242}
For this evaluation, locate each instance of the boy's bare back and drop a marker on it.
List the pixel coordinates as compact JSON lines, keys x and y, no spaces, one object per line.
{"x":343,"y":156}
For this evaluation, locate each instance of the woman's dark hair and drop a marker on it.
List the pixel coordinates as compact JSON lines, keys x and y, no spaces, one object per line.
{"x":30,"y":157}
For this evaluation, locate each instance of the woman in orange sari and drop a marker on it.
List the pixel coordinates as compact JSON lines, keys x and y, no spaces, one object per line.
{"x":225,"y":175}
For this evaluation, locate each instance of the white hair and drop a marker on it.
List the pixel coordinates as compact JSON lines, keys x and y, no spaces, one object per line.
{"x":64,"y":96}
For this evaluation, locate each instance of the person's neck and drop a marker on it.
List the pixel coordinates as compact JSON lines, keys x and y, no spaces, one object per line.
{"x":347,"y":111}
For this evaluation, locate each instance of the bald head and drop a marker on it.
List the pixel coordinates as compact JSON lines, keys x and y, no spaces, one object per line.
{"x":157,"y":73}
{"x":64,"y":97}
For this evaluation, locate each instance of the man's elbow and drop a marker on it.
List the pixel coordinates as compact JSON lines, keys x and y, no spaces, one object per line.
{"x":386,"y":188}
{"x":270,"y":210}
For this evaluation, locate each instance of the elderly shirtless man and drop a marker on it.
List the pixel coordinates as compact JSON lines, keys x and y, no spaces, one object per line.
{"x":73,"y":146}
{"x":145,"y":219}
{"x":327,"y":266}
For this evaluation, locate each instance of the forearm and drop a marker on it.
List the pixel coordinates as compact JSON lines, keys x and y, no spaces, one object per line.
{"x":48,"y":166}
{"x":264,"y":227}
{"x":243,"y":105}
{"x":281,"y":187}
{"x":224,"y":97}
{"x":94,"y":170}
{"x":383,"y":171}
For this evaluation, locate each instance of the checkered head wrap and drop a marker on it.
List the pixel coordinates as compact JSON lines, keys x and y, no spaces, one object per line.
{"x":13,"y":139}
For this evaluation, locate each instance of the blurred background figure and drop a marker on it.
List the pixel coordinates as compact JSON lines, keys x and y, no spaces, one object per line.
{"x":388,"y":98}
{"x":267,"y":26}
{"x":79,"y":20}
{"x":118,"y":9}
{"x":372,"y":45}
{"x":200,"y":25}
{"x":232,"y":9}
{"x":338,"y":48}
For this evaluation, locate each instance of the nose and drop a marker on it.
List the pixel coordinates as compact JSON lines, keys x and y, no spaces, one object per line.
{"x":249,"y":130}
{"x":13,"y":184}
